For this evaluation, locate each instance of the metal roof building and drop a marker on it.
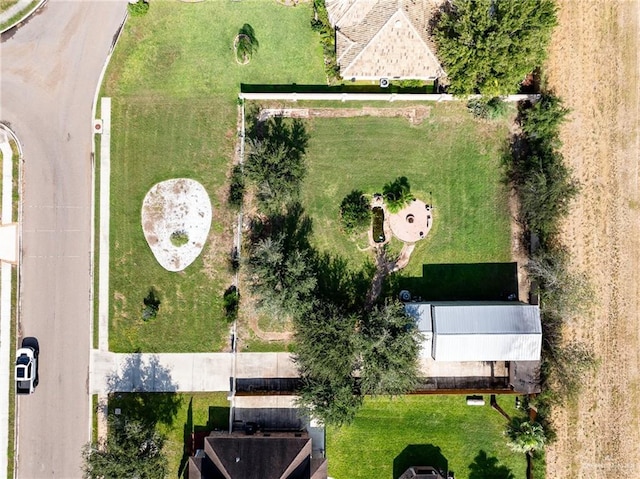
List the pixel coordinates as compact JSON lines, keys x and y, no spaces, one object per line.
{"x":479,"y":331}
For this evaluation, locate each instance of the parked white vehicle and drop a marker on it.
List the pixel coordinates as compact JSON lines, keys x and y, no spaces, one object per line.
{"x":26,"y":368}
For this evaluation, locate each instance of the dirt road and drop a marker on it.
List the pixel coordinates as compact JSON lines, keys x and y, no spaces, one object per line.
{"x":594,"y":66}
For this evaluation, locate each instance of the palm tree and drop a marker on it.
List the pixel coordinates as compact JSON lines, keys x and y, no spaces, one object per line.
{"x":397,"y":194}
{"x":525,"y":436}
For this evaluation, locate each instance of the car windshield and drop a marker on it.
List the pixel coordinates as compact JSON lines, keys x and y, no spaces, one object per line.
{"x":23,"y":359}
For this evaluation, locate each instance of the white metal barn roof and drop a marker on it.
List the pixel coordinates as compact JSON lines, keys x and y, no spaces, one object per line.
{"x":486,"y":332}
{"x":465,"y":331}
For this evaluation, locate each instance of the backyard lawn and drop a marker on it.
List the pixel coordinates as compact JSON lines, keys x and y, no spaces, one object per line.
{"x":174,"y":82}
{"x":450,"y":159}
{"x":388,"y":436}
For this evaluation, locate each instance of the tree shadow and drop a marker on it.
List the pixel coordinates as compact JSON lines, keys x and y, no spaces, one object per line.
{"x":420,"y":455}
{"x":143,"y":390}
{"x":339,"y":284}
{"x":486,"y":467}
{"x":294,"y":227}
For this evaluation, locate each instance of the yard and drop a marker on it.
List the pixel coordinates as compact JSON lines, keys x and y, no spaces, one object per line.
{"x":176,"y":416}
{"x":449,"y":158}
{"x":388,"y":436}
{"x":174,"y":81}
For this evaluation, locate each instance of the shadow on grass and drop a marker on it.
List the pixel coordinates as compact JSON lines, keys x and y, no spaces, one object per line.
{"x":339,"y":284}
{"x":419,"y":455}
{"x":193,"y":435}
{"x":463,"y":282}
{"x":485,"y":467}
{"x":143,"y":390}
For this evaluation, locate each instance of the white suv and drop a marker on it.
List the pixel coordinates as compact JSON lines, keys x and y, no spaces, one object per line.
{"x":27,"y":366}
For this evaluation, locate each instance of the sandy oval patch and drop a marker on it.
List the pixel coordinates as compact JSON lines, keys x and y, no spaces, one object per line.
{"x":176,"y":218}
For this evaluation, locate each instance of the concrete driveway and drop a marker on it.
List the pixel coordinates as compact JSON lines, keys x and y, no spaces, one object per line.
{"x":49,"y":72}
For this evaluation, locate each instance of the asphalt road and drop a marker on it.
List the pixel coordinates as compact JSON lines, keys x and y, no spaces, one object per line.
{"x":49,"y":71}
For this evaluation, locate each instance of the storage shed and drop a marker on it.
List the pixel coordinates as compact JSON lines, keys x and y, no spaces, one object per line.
{"x":479,"y":331}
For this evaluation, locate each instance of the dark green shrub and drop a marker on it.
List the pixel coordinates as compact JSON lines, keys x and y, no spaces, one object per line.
{"x":139,"y":8}
{"x":246,"y":43}
{"x":236,"y":187}
{"x":320,"y":23}
{"x":151,"y":305}
{"x":355,"y":211}
{"x":231,"y":302}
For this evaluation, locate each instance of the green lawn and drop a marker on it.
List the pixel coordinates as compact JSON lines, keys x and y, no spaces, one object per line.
{"x":450,"y":158}
{"x":198,"y":412}
{"x":176,"y":416}
{"x":388,"y":436}
{"x":174,"y":83}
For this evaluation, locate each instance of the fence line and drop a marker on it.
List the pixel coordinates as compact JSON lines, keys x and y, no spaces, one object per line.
{"x":390,"y":97}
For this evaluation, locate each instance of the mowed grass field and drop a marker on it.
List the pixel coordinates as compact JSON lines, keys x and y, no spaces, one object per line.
{"x":450,"y":159}
{"x":174,"y":82}
{"x":388,"y":436}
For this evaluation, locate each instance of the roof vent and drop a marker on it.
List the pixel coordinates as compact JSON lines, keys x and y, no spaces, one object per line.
{"x":384,"y":83}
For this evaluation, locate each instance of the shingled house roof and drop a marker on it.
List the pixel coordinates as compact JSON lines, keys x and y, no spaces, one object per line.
{"x":384,"y":38}
{"x":274,"y":456}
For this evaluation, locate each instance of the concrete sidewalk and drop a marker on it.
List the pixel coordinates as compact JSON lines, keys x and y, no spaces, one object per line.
{"x":182,"y":372}
{"x":5,"y":299}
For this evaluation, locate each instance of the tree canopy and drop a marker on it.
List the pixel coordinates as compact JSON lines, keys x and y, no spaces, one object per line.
{"x":489,"y":46}
{"x":132,"y":449}
{"x":525,"y":436}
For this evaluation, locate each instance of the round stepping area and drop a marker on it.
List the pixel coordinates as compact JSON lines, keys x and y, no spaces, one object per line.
{"x":176,"y":218}
{"x":412,"y":223}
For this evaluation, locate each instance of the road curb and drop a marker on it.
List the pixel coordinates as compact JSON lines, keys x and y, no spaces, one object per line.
{"x":25,"y":17}
{"x":101,"y":409}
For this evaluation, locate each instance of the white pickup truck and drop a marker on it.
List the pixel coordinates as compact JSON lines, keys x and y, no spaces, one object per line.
{"x":26,"y":368}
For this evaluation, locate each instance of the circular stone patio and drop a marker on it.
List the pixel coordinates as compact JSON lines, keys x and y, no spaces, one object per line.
{"x":178,"y":208}
{"x":413,"y":222}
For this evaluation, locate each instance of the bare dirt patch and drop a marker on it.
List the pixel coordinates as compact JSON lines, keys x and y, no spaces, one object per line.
{"x":593,"y":66}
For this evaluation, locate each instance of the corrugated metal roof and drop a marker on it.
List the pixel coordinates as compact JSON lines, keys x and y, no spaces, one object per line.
{"x":477,"y":331}
{"x":511,"y":318}
{"x":486,"y":332}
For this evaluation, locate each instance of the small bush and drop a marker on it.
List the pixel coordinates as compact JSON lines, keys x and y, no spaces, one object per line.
{"x":179,"y":238}
{"x":151,"y":305}
{"x":236,"y":187}
{"x":231,"y":301}
{"x":246,"y":44}
{"x":355,"y":211}
{"x":139,"y":8}
{"x":492,"y":109}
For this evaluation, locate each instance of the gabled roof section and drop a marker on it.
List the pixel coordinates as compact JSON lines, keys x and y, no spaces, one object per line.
{"x":268,"y":457}
{"x":384,"y":38}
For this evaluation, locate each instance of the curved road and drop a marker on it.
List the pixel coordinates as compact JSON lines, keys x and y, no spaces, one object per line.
{"x":49,"y":72}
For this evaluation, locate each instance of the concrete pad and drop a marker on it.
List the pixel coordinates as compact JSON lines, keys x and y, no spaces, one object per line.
{"x":430,"y":368}
{"x":265,"y":365}
{"x":166,"y":372}
{"x":9,"y":243}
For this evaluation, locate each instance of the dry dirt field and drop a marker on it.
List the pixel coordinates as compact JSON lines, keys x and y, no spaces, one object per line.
{"x":594,"y":66}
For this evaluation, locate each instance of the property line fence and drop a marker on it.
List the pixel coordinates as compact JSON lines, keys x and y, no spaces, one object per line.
{"x":389,"y":97}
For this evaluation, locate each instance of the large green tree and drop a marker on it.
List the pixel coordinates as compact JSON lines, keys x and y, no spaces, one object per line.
{"x":275,"y":161}
{"x":390,"y":344}
{"x":132,"y":449}
{"x":489,"y":46}
{"x":282,"y":278}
